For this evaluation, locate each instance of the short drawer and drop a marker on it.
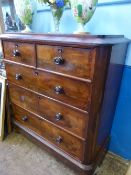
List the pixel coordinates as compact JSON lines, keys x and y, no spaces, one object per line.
{"x":72,"y":92}
{"x":65,"y":117}
{"x":67,"y":60}
{"x":54,"y":135}
{"x":23,"y":98}
{"x":20,"y":52}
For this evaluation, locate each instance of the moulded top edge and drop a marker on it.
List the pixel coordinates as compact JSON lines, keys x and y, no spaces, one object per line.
{"x":73,"y":39}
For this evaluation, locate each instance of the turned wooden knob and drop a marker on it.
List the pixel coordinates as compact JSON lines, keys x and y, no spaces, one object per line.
{"x":58,"y":116}
{"x":18,"y":76}
{"x":59,"y":90}
{"x":16,"y":53}
{"x":59,"y":60}
{"x":59,"y":139}
{"x":25,"y":118}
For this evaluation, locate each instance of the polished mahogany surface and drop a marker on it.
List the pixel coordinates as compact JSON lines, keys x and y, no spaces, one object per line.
{"x":20,"y":52}
{"x":71,"y":120}
{"x":62,"y":88}
{"x":56,"y":136}
{"x":58,"y":91}
{"x":67,"y":60}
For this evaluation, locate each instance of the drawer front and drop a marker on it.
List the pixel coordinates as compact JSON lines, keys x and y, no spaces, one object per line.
{"x":56,"y":136}
{"x":23,"y":98}
{"x":65,"y":117}
{"x":27,"y":119}
{"x":72,"y":61}
{"x":20,"y":52}
{"x":73,"y":92}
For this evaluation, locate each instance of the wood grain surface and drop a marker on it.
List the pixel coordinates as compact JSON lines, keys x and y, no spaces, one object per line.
{"x":67,"y":60}
{"x":20,"y":52}
{"x":46,"y":83}
{"x":56,"y":136}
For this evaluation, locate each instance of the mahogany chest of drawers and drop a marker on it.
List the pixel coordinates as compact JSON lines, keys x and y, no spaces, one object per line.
{"x":63,"y":91}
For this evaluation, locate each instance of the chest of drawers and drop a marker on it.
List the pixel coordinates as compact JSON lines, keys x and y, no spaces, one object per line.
{"x":63,"y":91}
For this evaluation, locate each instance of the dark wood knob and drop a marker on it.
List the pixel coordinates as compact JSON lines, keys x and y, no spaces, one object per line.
{"x":59,"y":90}
{"x":59,"y":60}
{"x":58,"y":139}
{"x":25,"y":118}
{"x":58,"y":116}
{"x":18,"y":76}
{"x":16,"y":53}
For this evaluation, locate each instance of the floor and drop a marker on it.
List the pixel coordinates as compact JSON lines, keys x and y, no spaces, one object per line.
{"x":19,"y":156}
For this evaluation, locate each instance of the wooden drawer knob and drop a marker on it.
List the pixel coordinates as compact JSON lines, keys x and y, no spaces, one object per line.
{"x":58,"y":116}
{"x":18,"y":76}
{"x":25,"y":118}
{"x":59,"y":140}
{"x":59,"y":60}
{"x":59,"y":90}
{"x":16,"y":53}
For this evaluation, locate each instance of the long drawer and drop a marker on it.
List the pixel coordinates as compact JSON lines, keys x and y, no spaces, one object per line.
{"x":67,"y":118}
{"x":72,"y":61}
{"x":20,"y":52}
{"x":23,"y":98}
{"x":56,"y":136}
{"x":72,"y":92}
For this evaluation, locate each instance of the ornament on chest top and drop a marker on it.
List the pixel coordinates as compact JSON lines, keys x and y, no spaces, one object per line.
{"x":57,"y":7}
{"x":83,"y":10}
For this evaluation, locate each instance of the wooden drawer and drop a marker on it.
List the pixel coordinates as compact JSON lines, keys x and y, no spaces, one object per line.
{"x":56,"y":136}
{"x":65,"y":117}
{"x":20,"y":52}
{"x":73,"y":92}
{"x":23,"y":98}
{"x":67,"y":60}
{"x":27,"y":119}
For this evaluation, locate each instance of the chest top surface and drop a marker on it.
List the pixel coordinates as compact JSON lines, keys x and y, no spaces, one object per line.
{"x":70,"y":39}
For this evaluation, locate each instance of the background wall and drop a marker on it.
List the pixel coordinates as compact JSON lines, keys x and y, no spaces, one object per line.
{"x":109,"y":18}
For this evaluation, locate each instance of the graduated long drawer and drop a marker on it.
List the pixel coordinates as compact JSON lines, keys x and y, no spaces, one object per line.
{"x":70,"y":91}
{"x":70,"y":120}
{"x":68,"y":143}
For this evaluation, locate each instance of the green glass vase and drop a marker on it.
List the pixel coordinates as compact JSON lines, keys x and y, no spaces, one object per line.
{"x":57,"y":14}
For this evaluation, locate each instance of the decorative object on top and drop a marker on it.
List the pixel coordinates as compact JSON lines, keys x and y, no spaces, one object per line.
{"x":10,"y":24}
{"x":20,"y":25}
{"x":83,"y":11}
{"x":57,"y":7}
{"x":24,"y":10}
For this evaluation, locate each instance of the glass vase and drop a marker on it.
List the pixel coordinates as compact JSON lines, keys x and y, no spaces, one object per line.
{"x":24,"y":10}
{"x":57,"y":14}
{"x":83,"y":11}
{"x":27,"y":29}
